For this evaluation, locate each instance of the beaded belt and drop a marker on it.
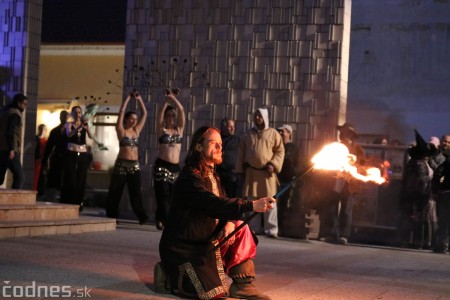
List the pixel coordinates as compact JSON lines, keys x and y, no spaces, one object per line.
{"x":163,"y":174}
{"x":125,"y":167}
{"x":76,"y":147}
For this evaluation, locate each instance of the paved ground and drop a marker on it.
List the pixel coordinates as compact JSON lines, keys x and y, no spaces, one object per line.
{"x":119,"y":265}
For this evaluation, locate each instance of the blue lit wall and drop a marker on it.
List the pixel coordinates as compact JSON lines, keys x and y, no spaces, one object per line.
{"x":20,"y":40}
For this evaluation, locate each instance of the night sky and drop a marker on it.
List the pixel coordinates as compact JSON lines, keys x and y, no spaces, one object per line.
{"x":83,"y":21}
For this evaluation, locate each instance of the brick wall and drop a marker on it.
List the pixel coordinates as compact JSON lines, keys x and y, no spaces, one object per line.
{"x":231,"y":57}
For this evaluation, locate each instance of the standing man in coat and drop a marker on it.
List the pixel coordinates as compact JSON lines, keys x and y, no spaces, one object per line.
{"x":261,"y":155}
{"x":53,"y":159}
{"x":337,"y":213}
{"x":11,"y":140}
{"x":288,"y":172}
{"x":230,"y":149}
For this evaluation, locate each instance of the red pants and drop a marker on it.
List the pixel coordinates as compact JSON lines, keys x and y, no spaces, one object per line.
{"x":243,"y":248}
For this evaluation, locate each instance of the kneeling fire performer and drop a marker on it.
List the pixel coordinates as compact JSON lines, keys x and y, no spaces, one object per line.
{"x":200,"y":217}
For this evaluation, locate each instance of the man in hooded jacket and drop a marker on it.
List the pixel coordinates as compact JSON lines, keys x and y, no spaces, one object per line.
{"x":260,"y":159}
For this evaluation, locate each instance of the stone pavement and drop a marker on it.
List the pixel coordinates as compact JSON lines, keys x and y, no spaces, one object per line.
{"x":119,"y":265}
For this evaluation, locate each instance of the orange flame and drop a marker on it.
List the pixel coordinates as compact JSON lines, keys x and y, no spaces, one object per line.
{"x":335,"y":157}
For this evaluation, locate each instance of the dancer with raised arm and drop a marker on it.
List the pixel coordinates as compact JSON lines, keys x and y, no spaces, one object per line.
{"x":171,"y":120}
{"x":126,"y":168}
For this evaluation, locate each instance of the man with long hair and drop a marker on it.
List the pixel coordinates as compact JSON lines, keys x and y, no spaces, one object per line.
{"x":200,"y":216}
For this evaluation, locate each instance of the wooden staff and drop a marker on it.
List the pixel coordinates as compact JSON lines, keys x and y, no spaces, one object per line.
{"x":245,"y":222}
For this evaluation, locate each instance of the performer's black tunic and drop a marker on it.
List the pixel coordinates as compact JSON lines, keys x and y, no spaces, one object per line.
{"x":189,"y":233}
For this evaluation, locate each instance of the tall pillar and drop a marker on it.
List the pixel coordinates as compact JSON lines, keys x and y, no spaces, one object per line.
{"x":19,"y":65}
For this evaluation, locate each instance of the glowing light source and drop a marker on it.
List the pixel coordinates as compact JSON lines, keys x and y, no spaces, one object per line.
{"x":49,"y":118}
{"x":336,"y":157}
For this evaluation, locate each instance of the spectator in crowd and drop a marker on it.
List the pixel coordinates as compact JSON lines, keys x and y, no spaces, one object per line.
{"x":11,"y":124}
{"x":288,"y":171}
{"x":41,"y":141}
{"x":261,"y":155}
{"x":126,"y":169}
{"x":53,"y":159}
{"x":441,"y":188}
{"x":416,"y":195}
{"x":396,"y":142}
{"x":230,"y":149}
{"x":443,"y":146}
{"x":381,"y":140}
{"x":76,"y":159}
{"x":171,"y":120}
{"x":200,"y":216}
{"x":337,"y":213}
{"x":431,"y":215}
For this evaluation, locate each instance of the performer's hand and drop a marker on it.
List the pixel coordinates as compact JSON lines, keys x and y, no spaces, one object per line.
{"x":134,"y":93}
{"x":229,"y":227}
{"x":270,"y":168}
{"x":11,"y":155}
{"x":263,"y":204}
{"x":170,"y":97}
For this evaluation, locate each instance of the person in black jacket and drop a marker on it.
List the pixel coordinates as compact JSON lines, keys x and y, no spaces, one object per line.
{"x":199,"y":217}
{"x":441,"y":187}
{"x":415,"y":194}
{"x":230,"y":149}
{"x":11,"y":140}
{"x":53,"y":160}
{"x":337,"y":211}
{"x":287,"y":173}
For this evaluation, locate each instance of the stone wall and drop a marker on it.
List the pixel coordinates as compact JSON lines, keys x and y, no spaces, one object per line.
{"x":231,"y":57}
{"x":400,"y":68}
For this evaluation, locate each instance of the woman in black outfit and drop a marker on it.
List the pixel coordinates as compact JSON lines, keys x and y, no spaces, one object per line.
{"x":126,"y":169}
{"x":76,"y":160}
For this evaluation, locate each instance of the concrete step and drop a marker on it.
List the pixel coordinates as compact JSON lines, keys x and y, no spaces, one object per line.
{"x":38,"y":212}
{"x":83,"y":224}
{"x":21,"y":215}
{"x":16,"y":197}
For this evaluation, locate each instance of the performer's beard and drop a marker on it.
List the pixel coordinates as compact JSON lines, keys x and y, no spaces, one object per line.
{"x":218,"y":161}
{"x":214,"y":157}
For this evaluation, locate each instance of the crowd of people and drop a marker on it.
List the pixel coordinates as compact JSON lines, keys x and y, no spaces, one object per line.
{"x":425,"y":190}
{"x":225,"y":179}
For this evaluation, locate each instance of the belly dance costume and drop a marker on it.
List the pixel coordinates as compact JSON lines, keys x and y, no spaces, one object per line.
{"x":126,"y":172}
{"x":76,"y":165}
{"x":165,"y":174}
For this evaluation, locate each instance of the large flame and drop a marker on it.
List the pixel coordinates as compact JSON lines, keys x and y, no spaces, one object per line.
{"x":335,"y":157}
